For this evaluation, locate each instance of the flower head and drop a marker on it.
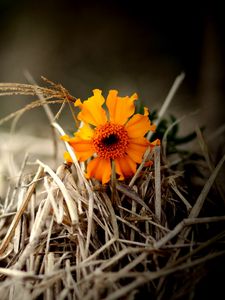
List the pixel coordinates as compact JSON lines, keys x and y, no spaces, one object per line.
{"x":115,"y":134}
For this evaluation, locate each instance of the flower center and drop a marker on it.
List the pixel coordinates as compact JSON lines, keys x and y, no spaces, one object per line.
{"x":110,"y":140}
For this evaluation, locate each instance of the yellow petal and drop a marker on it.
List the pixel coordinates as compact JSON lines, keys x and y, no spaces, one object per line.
{"x":91,"y":109}
{"x":82,"y":148}
{"x":146,"y":111}
{"x":119,"y":170}
{"x":68,"y":139}
{"x":152,"y":127}
{"x":67,"y":157}
{"x":138,"y":126}
{"x":137,"y":148}
{"x":65,"y":138}
{"x":78,"y":103}
{"x":125,"y":167}
{"x":85,"y":132}
{"x":155,"y":143}
{"x":100,"y":169}
{"x":120,"y":108}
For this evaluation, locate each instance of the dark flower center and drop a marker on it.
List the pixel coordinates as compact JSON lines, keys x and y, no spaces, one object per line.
{"x":110,"y":140}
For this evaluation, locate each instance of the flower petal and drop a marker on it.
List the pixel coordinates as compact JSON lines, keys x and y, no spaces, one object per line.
{"x":91,"y":109}
{"x":67,"y":157}
{"x":137,"y":148}
{"x":120,"y":108}
{"x":82,"y":148}
{"x":155,"y":143}
{"x":85,"y":132}
{"x":125,"y":167}
{"x":65,"y":138}
{"x":148,"y":163}
{"x":138,"y":126}
{"x":100,"y":169}
{"x":146,"y":111}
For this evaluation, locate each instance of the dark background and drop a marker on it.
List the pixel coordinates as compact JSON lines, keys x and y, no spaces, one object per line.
{"x":133,"y":46}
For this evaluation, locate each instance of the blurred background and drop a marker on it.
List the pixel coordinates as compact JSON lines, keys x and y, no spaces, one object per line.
{"x":133,"y":46}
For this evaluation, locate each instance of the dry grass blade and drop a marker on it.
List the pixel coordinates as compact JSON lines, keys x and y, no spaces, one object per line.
{"x":19,"y":213}
{"x":183,"y":199}
{"x":179,"y":227}
{"x":41,"y":97}
{"x":200,"y":201}
{"x":17,"y":274}
{"x":157,"y":165}
{"x":55,"y":94}
{"x":69,"y":202}
{"x":34,"y":104}
{"x":208,"y":158}
{"x":168,"y":100}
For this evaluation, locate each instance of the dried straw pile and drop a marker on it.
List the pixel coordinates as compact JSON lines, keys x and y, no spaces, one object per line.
{"x":64,"y":237}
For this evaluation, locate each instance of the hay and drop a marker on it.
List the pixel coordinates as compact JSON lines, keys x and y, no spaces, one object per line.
{"x":66,"y":237}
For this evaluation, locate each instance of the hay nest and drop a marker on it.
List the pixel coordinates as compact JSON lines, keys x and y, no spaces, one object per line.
{"x":154,"y":235}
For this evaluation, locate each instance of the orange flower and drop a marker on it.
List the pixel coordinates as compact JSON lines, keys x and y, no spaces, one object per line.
{"x":116,"y":134}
